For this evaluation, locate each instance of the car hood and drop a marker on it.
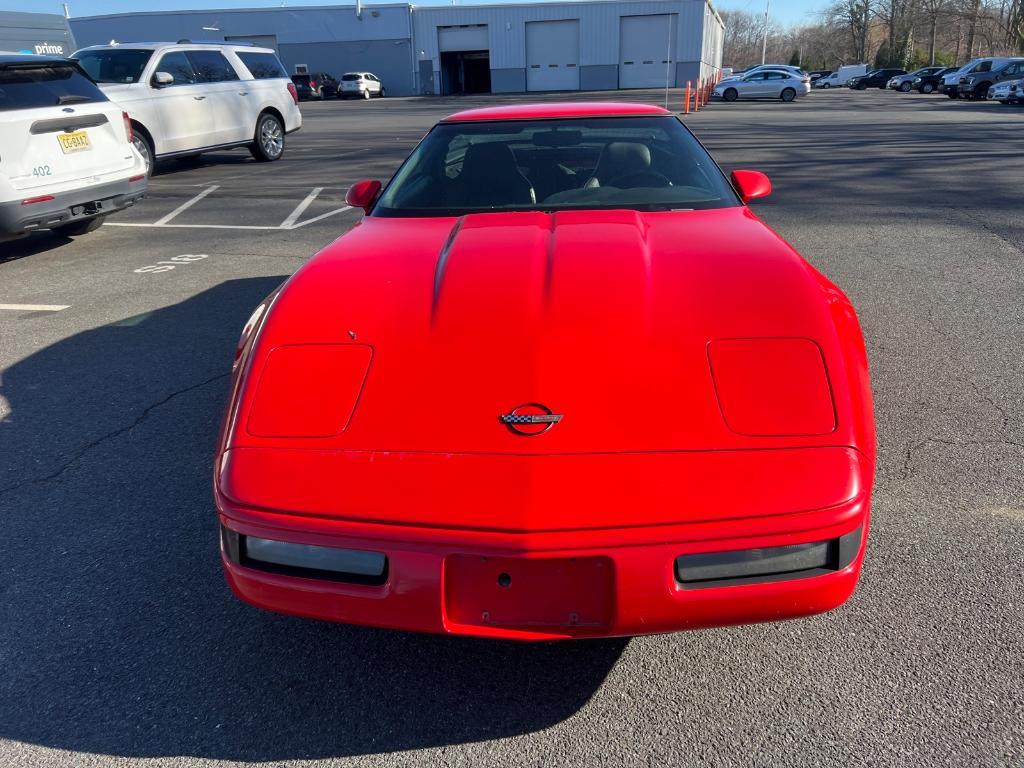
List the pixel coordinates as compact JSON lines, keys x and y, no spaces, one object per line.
{"x":604,"y":317}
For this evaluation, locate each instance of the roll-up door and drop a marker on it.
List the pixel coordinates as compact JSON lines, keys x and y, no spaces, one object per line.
{"x":647,"y":47}
{"x":553,"y":55}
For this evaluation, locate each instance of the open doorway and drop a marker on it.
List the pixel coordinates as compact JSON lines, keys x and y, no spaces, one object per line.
{"x":465,"y":72}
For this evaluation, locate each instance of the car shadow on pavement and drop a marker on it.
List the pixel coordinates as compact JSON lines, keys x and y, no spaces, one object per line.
{"x":118,"y":635}
{"x":30,"y":245}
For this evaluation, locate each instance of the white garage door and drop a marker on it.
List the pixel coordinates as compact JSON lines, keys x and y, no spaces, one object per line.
{"x":647,"y":47}
{"x":468,"y":37}
{"x":553,"y":55}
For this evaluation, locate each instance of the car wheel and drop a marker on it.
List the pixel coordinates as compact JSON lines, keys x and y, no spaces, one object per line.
{"x":927,"y":88}
{"x":953,"y":94}
{"x":788,"y":95}
{"x":268,"y":143}
{"x":980,"y":92}
{"x":366,"y":94}
{"x":861,"y":87}
{"x":730,"y":94}
{"x":381,"y":94}
{"x":827,"y":85}
{"x":905,"y":87}
{"x":144,"y":148}
{"x":83,"y":227}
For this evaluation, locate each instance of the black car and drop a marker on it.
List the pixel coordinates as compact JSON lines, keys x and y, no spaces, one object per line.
{"x":877,"y":78}
{"x":316,"y":85}
{"x":931,"y":83}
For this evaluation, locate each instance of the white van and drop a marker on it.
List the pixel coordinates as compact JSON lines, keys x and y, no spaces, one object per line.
{"x":841,"y":76}
{"x":187,"y":98}
{"x":68,"y":159}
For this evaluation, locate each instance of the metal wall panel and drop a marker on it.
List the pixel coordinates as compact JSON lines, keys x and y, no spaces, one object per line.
{"x":290,"y":25}
{"x":553,"y":55}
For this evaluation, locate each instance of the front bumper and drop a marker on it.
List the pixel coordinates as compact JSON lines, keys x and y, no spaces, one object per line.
{"x":615,"y":581}
{"x":17,"y":218}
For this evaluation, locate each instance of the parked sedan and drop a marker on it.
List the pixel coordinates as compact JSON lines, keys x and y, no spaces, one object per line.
{"x":877,"y":78}
{"x":1007,"y":92}
{"x":767,"y":84}
{"x":318,"y":85}
{"x":976,"y":84}
{"x":930,"y":83}
{"x":905,"y":83}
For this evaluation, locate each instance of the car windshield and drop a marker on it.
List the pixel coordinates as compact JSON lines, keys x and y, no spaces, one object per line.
{"x":34,"y":85}
{"x":122,"y":65}
{"x":650,"y":163}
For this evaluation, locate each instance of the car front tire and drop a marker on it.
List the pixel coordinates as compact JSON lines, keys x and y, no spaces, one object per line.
{"x":730,"y":95}
{"x":905,"y":87}
{"x":268,"y":143}
{"x":927,"y":88}
{"x":826,"y":86}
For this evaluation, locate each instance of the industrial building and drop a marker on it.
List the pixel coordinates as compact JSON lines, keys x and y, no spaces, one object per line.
{"x":501,"y":48}
{"x":39,"y":33}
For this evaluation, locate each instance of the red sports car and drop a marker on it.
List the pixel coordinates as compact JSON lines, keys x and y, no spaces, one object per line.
{"x":558,"y":382}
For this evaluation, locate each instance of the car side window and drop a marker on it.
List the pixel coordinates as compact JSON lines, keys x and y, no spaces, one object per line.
{"x":211,"y":67}
{"x":775,"y":76}
{"x":985,"y":66}
{"x":177,"y":65}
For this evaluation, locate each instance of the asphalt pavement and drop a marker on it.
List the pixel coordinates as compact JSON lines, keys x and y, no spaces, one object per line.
{"x":120,"y":643}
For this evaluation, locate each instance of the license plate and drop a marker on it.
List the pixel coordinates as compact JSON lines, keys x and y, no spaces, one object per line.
{"x":77,"y":141}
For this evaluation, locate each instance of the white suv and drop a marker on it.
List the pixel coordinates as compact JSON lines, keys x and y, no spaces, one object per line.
{"x":362,"y":84}
{"x":66,"y":155}
{"x":187,"y":98}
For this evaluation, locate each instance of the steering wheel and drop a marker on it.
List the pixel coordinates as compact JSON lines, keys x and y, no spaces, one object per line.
{"x":639,"y":179}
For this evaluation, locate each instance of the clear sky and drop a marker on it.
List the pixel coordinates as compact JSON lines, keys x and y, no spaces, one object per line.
{"x":782,"y":11}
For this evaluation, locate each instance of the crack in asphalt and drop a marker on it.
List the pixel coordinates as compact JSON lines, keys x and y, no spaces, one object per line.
{"x":912,"y":447}
{"x":81,"y":452}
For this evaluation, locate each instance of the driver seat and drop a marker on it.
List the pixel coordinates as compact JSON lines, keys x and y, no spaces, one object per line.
{"x":619,"y":158}
{"x":491,"y":178}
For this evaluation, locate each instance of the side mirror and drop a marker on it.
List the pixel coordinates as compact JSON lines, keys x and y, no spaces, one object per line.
{"x":751,"y":184}
{"x":362,"y":194}
{"x":162,"y":79}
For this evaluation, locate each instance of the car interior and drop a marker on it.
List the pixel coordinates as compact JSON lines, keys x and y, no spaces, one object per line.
{"x":551,"y":164}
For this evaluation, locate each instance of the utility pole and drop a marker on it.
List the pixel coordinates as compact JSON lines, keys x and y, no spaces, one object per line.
{"x":764,"y":42}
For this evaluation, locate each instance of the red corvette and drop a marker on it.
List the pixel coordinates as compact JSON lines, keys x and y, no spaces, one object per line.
{"x":559,"y":382}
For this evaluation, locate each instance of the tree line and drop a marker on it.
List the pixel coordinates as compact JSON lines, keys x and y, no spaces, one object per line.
{"x":882,"y":33}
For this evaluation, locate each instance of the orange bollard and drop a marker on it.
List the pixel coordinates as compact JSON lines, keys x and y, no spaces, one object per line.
{"x":686,"y":101}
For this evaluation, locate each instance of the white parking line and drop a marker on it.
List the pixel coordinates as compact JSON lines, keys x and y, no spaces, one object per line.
{"x":34,"y":307}
{"x":301,"y":208}
{"x":321,"y":217}
{"x":187,"y":226}
{"x":186,"y":205}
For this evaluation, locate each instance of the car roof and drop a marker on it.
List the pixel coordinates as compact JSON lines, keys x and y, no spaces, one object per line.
{"x":241,"y":47}
{"x":554,"y":110}
{"x":26,"y":58}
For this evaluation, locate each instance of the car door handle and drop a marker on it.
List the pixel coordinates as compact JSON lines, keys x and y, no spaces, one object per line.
{"x":198,"y":98}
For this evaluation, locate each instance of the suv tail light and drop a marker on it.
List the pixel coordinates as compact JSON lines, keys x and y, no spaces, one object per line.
{"x":312,"y":84}
{"x":128,"y":127}
{"x":293,"y":92}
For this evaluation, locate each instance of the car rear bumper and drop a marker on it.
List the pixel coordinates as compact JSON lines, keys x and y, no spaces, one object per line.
{"x":20,"y":218}
{"x":556,"y":584}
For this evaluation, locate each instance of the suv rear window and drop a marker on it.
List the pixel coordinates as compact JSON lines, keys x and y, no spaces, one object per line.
{"x":300,"y":79}
{"x":350,"y":77}
{"x":263,"y":66}
{"x":30,"y":86}
{"x":123,"y":65}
